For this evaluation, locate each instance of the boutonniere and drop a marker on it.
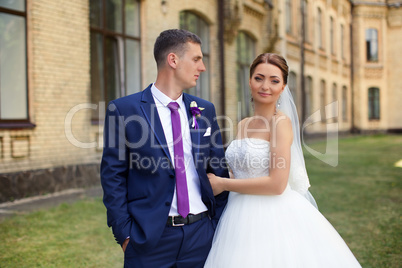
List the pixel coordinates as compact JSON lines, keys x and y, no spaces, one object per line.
{"x":196,"y":112}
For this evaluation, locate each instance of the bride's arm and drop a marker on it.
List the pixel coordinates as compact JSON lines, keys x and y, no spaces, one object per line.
{"x":276,"y":182}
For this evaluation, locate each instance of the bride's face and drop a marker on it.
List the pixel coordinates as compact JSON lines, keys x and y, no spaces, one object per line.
{"x":266,"y":84}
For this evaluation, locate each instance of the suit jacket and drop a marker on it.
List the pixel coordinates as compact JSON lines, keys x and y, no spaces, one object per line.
{"x":137,"y":174}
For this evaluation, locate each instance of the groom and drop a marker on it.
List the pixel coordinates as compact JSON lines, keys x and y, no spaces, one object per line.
{"x":159,"y":145}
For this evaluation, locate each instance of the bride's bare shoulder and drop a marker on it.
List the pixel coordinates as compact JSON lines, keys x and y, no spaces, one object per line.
{"x":283,"y":125}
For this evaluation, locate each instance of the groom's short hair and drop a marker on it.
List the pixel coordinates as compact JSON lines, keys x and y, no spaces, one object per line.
{"x":172,"y":40}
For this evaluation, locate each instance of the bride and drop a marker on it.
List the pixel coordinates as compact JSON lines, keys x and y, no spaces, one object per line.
{"x":271,"y":219}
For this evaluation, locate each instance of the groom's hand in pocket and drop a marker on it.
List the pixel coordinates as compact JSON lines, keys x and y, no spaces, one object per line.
{"x":125,"y":243}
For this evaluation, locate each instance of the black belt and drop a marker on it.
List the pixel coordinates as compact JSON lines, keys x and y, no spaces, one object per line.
{"x":180,"y":221}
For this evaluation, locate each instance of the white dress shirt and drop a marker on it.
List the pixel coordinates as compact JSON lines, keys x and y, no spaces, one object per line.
{"x":193,"y":181}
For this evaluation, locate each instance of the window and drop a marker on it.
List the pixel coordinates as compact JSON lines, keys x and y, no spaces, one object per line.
{"x":306,"y":21}
{"x":322,"y":101}
{"x":334,"y":99}
{"x":115,"y":50}
{"x":288,"y":16}
{"x":331,"y":36}
{"x":372,"y":45}
{"x":342,"y":42}
{"x":292,"y":83}
{"x":193,"y":23}
{"x":309,"y":94}
{"x":374,"y":103}
{"x":245,"y":56}
{"x":344,"y":104}
{"x":13,"y":63}
{"x":319,"y":29}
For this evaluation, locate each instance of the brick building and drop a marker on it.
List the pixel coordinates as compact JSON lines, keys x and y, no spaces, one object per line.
{"x":61,"y":61}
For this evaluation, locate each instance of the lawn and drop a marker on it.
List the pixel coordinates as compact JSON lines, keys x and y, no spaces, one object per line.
{"x":73,"y":235}
{"x":361,"y":197}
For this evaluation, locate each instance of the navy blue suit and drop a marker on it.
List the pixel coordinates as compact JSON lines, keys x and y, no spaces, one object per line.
{"x":137,"y":175}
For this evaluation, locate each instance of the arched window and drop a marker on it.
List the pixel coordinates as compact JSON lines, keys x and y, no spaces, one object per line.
{"x":372,"y":45}
{"x":292,"y":83}
{"x":195,"y":24}
{"x":245,"y":56}
{"x":342,"y":42}
{"x":334,"y":99}
{"x":322,"y":100}
{"x":288,"y":10}
{"x":332,"y":35}
{"x":309,"y":94}
{"x":344,"y":104}
{"x":306,"y":21}
{"x":374,"y":103}
{"x":319,"y":29}
{"x":115,"y":50}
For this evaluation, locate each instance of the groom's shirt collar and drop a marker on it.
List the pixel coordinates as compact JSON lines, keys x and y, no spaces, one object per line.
{"x":165,"y":100}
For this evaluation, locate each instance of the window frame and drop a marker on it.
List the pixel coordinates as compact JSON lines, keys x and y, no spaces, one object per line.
{"x":306,"y":21}
{"x":292,"y":84}
{"x":332,"y":34}
{"x":323,"y":100}
{"x":121,"y":38}
{"x":320,"y":28}
{"x":344,"y":104}
{"x":309,"y":94}
{"x":203,"y":86}
{"x":26,"y":122}
{"x":335,"y":99}
{"x":374,"y":111}
{"x":288,"y":17}
{"x":370,"y":43}
{"x":242,"y":73}
{"x":342,"y":27}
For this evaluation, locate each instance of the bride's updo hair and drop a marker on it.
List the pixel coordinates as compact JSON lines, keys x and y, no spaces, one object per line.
{"x":274,"y":59}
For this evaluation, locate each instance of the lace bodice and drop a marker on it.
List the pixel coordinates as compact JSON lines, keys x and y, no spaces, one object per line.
{"x":248,"y":158}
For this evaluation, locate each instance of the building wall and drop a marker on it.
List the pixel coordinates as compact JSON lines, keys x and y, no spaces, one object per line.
{"x":320,"y":63}
{"x":46,"y":159}
{"x":394,"y":67}
{"x":252,"y":21}
{"x":384,"y":72}
{"x":63,"y":150}
{"x":58,"y":71}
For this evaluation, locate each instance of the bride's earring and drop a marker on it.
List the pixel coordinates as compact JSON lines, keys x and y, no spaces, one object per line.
{"x":278,"y":104}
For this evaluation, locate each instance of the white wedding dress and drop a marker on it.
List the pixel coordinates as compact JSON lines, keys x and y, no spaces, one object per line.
{"x":272,"y":231}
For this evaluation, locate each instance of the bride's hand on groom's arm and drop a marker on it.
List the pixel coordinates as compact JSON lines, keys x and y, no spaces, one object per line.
{"x":217,"y":183}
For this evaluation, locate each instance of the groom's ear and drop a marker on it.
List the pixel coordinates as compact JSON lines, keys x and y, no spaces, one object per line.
{"x":172,"y":60}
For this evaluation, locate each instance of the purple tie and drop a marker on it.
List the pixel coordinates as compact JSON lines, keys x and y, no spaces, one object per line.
{"x":183,"y":206}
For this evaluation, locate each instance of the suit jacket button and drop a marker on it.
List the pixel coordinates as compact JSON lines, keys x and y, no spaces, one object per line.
{"x":171,"y":176}
{"x":167,"y":203}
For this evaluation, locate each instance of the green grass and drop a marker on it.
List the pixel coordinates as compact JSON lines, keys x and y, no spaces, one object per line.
{"x":66,"y":236}
{"x":361,"y":197}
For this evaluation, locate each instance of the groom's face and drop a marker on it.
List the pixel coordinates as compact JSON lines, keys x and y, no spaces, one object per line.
{"x":190,"y":66}
{"x":266,"y":83}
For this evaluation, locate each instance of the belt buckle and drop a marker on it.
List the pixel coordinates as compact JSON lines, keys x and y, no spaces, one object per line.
{"x":176,"y":225}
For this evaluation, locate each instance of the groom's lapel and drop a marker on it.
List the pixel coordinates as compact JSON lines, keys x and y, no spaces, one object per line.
{"x":151,"y":115}
{"x":194,"y":133}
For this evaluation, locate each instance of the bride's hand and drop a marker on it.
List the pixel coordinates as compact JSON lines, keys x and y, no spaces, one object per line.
{"x":216,"y":183}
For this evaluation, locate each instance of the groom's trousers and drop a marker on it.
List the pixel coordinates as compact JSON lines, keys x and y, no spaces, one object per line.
{"x":184,"y":246}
